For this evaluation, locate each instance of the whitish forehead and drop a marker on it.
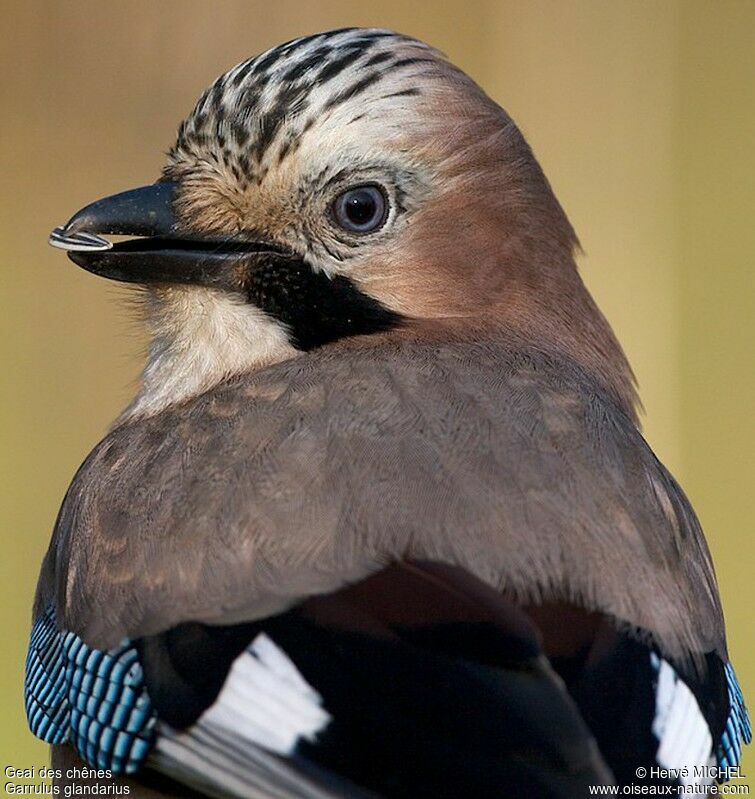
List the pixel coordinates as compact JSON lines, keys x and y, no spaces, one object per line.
{"x":260,"y":110}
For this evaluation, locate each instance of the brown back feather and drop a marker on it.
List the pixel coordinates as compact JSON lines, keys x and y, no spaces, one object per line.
{"x":311,"y":473}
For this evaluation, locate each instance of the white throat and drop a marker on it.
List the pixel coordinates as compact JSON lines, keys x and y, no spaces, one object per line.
{"x":199,"y":337}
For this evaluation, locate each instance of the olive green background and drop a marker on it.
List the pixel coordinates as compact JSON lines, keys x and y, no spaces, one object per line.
{"x":642,"y":114}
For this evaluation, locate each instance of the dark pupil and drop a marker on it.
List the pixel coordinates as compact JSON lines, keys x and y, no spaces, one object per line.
{"x":360,"y":207}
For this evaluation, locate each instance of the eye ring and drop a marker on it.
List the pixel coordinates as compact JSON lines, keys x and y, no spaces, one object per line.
{"x":361,"y":209}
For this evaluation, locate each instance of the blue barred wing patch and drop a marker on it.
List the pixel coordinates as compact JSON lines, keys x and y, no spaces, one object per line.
{"x":45,"y":694}
{"x":738,"y":730}
{"x":93,"y":699}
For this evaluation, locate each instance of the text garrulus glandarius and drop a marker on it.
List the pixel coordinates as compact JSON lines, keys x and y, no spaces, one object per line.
{"x":380,"y":520}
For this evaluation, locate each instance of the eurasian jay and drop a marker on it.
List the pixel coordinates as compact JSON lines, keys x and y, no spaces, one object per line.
{"x":380,"y":520}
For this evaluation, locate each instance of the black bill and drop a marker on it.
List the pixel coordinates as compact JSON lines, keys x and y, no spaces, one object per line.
{"x":161,"y":253}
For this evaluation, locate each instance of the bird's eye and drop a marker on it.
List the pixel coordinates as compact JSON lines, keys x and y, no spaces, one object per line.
{"x":361,"y":210}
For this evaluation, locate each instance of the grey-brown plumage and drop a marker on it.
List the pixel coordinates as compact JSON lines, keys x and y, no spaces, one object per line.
{"x":509,"y":461}
{"x":372,"y":359}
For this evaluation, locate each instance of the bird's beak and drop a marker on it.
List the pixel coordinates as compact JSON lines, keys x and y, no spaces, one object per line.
{"x":161,"y":253}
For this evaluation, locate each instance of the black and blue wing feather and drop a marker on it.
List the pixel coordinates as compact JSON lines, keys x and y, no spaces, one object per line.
{"x":96,"y":701}
{"x":404,"y":698}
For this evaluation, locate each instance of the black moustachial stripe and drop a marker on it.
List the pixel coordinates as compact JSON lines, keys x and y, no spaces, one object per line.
{"x":317,"y":309}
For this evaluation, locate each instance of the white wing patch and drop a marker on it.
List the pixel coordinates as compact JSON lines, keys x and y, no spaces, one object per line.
{"x":684,"y":738}
{"x":263,"y":710}
{"x":266,"y":701}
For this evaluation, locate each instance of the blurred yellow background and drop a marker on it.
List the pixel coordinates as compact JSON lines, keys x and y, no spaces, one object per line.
{"x":641,"y":113}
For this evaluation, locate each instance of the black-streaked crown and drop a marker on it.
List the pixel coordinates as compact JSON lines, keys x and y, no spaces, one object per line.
{"x":256,"y":113}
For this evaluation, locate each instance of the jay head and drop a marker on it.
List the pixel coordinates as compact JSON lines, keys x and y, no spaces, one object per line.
{"x":341,"y":186}
{"x":372,"y":358}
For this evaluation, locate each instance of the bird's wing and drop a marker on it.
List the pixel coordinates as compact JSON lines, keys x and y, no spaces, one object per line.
{"x":419,"y":681}
{"x":305,"y":476}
